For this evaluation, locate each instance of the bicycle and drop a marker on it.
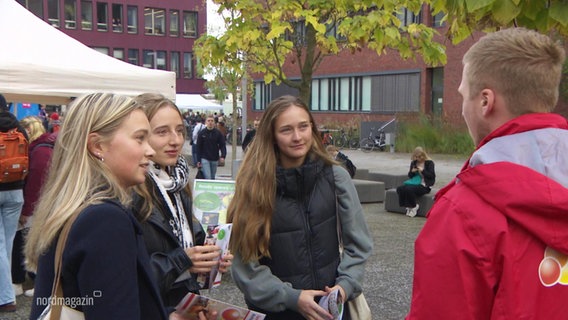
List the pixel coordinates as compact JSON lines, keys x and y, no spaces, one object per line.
{"x":327,"y":138}
{"x":371,"y":142}
{"x":345,"y":141}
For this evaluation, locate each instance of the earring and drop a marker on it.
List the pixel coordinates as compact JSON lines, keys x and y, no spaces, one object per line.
{"x":100,"y":157}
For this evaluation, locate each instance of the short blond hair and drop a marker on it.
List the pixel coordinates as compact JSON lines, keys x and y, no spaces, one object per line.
{"x":522,"y":65}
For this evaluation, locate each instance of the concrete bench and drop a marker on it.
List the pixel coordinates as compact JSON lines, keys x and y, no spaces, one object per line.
{"x":361,"y":174}
{"x":390,"y":180}
{"x":369,"y":191}
{"x":426,"y":201}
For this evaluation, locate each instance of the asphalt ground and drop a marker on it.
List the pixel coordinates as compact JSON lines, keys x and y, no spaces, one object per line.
{"x":388,"y":281}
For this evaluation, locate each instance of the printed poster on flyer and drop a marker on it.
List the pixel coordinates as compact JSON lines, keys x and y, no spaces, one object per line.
{"x":211,"y":199}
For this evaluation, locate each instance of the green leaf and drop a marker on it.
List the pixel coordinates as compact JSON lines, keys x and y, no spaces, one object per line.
{"x":474,"y":5}
{"x":559,"y":12}
{"x":505,"y":11}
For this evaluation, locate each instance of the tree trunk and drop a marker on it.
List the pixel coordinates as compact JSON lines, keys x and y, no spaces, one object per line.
{"x":234,"y":128}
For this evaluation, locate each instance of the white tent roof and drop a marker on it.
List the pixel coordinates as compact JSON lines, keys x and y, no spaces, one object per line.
{"x":41,"y":64}
{"x":196,"y":102}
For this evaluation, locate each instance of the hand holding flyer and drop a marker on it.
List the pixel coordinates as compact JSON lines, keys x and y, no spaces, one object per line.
{"x":220,"y":236}
{"x":332,"y":304}
{"x":190,"y":306}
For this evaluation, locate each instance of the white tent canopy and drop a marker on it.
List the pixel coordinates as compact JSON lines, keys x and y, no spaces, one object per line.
{"x":196,"y":102}
{"x":40,"y":64}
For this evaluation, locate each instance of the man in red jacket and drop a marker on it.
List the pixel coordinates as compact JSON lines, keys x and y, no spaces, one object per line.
{"x":495,"y":245}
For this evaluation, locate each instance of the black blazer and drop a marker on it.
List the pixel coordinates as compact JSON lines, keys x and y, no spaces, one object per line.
{"x":106,"y":268}
{"x":167,"y":257}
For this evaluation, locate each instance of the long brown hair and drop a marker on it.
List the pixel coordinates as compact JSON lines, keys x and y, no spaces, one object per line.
{"x":250,"y":211}
{"x":152,"y":102}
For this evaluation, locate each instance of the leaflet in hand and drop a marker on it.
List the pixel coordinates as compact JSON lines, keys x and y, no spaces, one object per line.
{"x":192,"y":304}
{"x":216,"y":235}
{"x":332,"y":304}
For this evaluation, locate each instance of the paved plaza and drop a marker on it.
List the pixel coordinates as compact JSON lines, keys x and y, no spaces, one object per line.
{"x":388,"y":282}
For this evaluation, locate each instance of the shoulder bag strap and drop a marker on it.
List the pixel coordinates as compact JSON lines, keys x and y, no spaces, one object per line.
{"x":57,"y":290}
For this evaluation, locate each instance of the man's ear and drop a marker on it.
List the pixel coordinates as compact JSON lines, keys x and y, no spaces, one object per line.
{"x":487,"y":101}
{"x":94,"y":145}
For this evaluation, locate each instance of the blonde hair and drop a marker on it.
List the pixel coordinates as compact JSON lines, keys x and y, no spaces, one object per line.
{"x":523,"y":65}
{"x":250,"y":211}
{"x":152,"y":103}
{"x":76,"y":178}
{"x":34,"y":127}
{"x":419,"y":152}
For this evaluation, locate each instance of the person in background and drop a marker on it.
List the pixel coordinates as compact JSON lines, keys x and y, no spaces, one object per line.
{"x":195,"y":133}
{"x":212,"y":148}
{"x":39,"y":153}
{"x":43,"y":116}
{"x":343,"y":159}
{"x":494,"y":244}
{"x":174,"y":237}
{"x":54,"y":123}
{"x":99,"y":155}
{"x":285,"y":219}
{"x":250,"y":135}
{"x":422,"y":176}
{"x":11,"y":202}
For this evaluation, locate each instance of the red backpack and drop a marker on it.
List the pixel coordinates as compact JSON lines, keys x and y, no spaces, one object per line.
{"x":13,"y":156}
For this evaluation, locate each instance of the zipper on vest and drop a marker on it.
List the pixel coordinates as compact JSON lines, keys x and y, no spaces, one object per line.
{"x":309,"y":240}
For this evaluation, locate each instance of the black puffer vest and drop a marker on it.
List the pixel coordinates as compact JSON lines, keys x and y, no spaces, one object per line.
{"x":303,"y":242}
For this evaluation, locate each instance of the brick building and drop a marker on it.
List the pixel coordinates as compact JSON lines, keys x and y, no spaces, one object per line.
{"x":366,"y":87}
{"x":151,"y":33}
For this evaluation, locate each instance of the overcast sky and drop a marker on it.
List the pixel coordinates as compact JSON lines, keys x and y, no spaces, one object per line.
{"x":215,"y":24}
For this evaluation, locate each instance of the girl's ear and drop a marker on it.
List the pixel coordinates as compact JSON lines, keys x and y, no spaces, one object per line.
{"x":94,"y":145}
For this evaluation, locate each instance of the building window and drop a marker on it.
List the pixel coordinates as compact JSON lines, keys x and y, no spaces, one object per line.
{"x":437,"y":20}
{"x":174,"y":63}
{"x":331,"y":31}
{"x":34,"y":6}
{"x":407,"y":17}
{"x":190,"y":24}
{"x":437,"y":76}
{"x":341,"y":94}
{"x":133,"y":56}
{"x":262,"y":95}
{"x":102,"y":50}
{"x":298,"y":35}
{"x":132,"y":19}
{"x":396,"y":93}
{"x":70,"y":14}
{"x":174,"y":23}
{"x":118,"y":53}
{"x":161,"y":60}
{"x":87,"y":15}
{"x":53,"y":12}
{"x":149,"y":59}
{"x":102,"y":16}
{"x":117,"y":20}
{"x":155,"y":21}
{"x":187,"y":65}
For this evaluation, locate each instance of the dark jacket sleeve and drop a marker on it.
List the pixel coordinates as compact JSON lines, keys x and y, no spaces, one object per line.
{"x":167,"y":259}
{"x":104,"y":259}
{"x":222,"y":145}
{"x":429,"y":173}
{"x":412,"y":165}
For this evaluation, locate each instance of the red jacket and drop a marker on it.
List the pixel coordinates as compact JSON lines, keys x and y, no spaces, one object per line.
{"x":495,"y":245}
{"x":40,"y":151}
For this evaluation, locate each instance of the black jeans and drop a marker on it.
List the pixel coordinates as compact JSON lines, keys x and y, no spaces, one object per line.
{"x":407,"y":194}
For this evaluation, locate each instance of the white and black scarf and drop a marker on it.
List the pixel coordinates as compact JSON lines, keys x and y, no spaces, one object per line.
{"x":171,"y":182}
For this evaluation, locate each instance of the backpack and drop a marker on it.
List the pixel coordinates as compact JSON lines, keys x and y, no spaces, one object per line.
{"x":348,"y":164}
{"x":13,"y":156}
{"x":351,"y":168}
